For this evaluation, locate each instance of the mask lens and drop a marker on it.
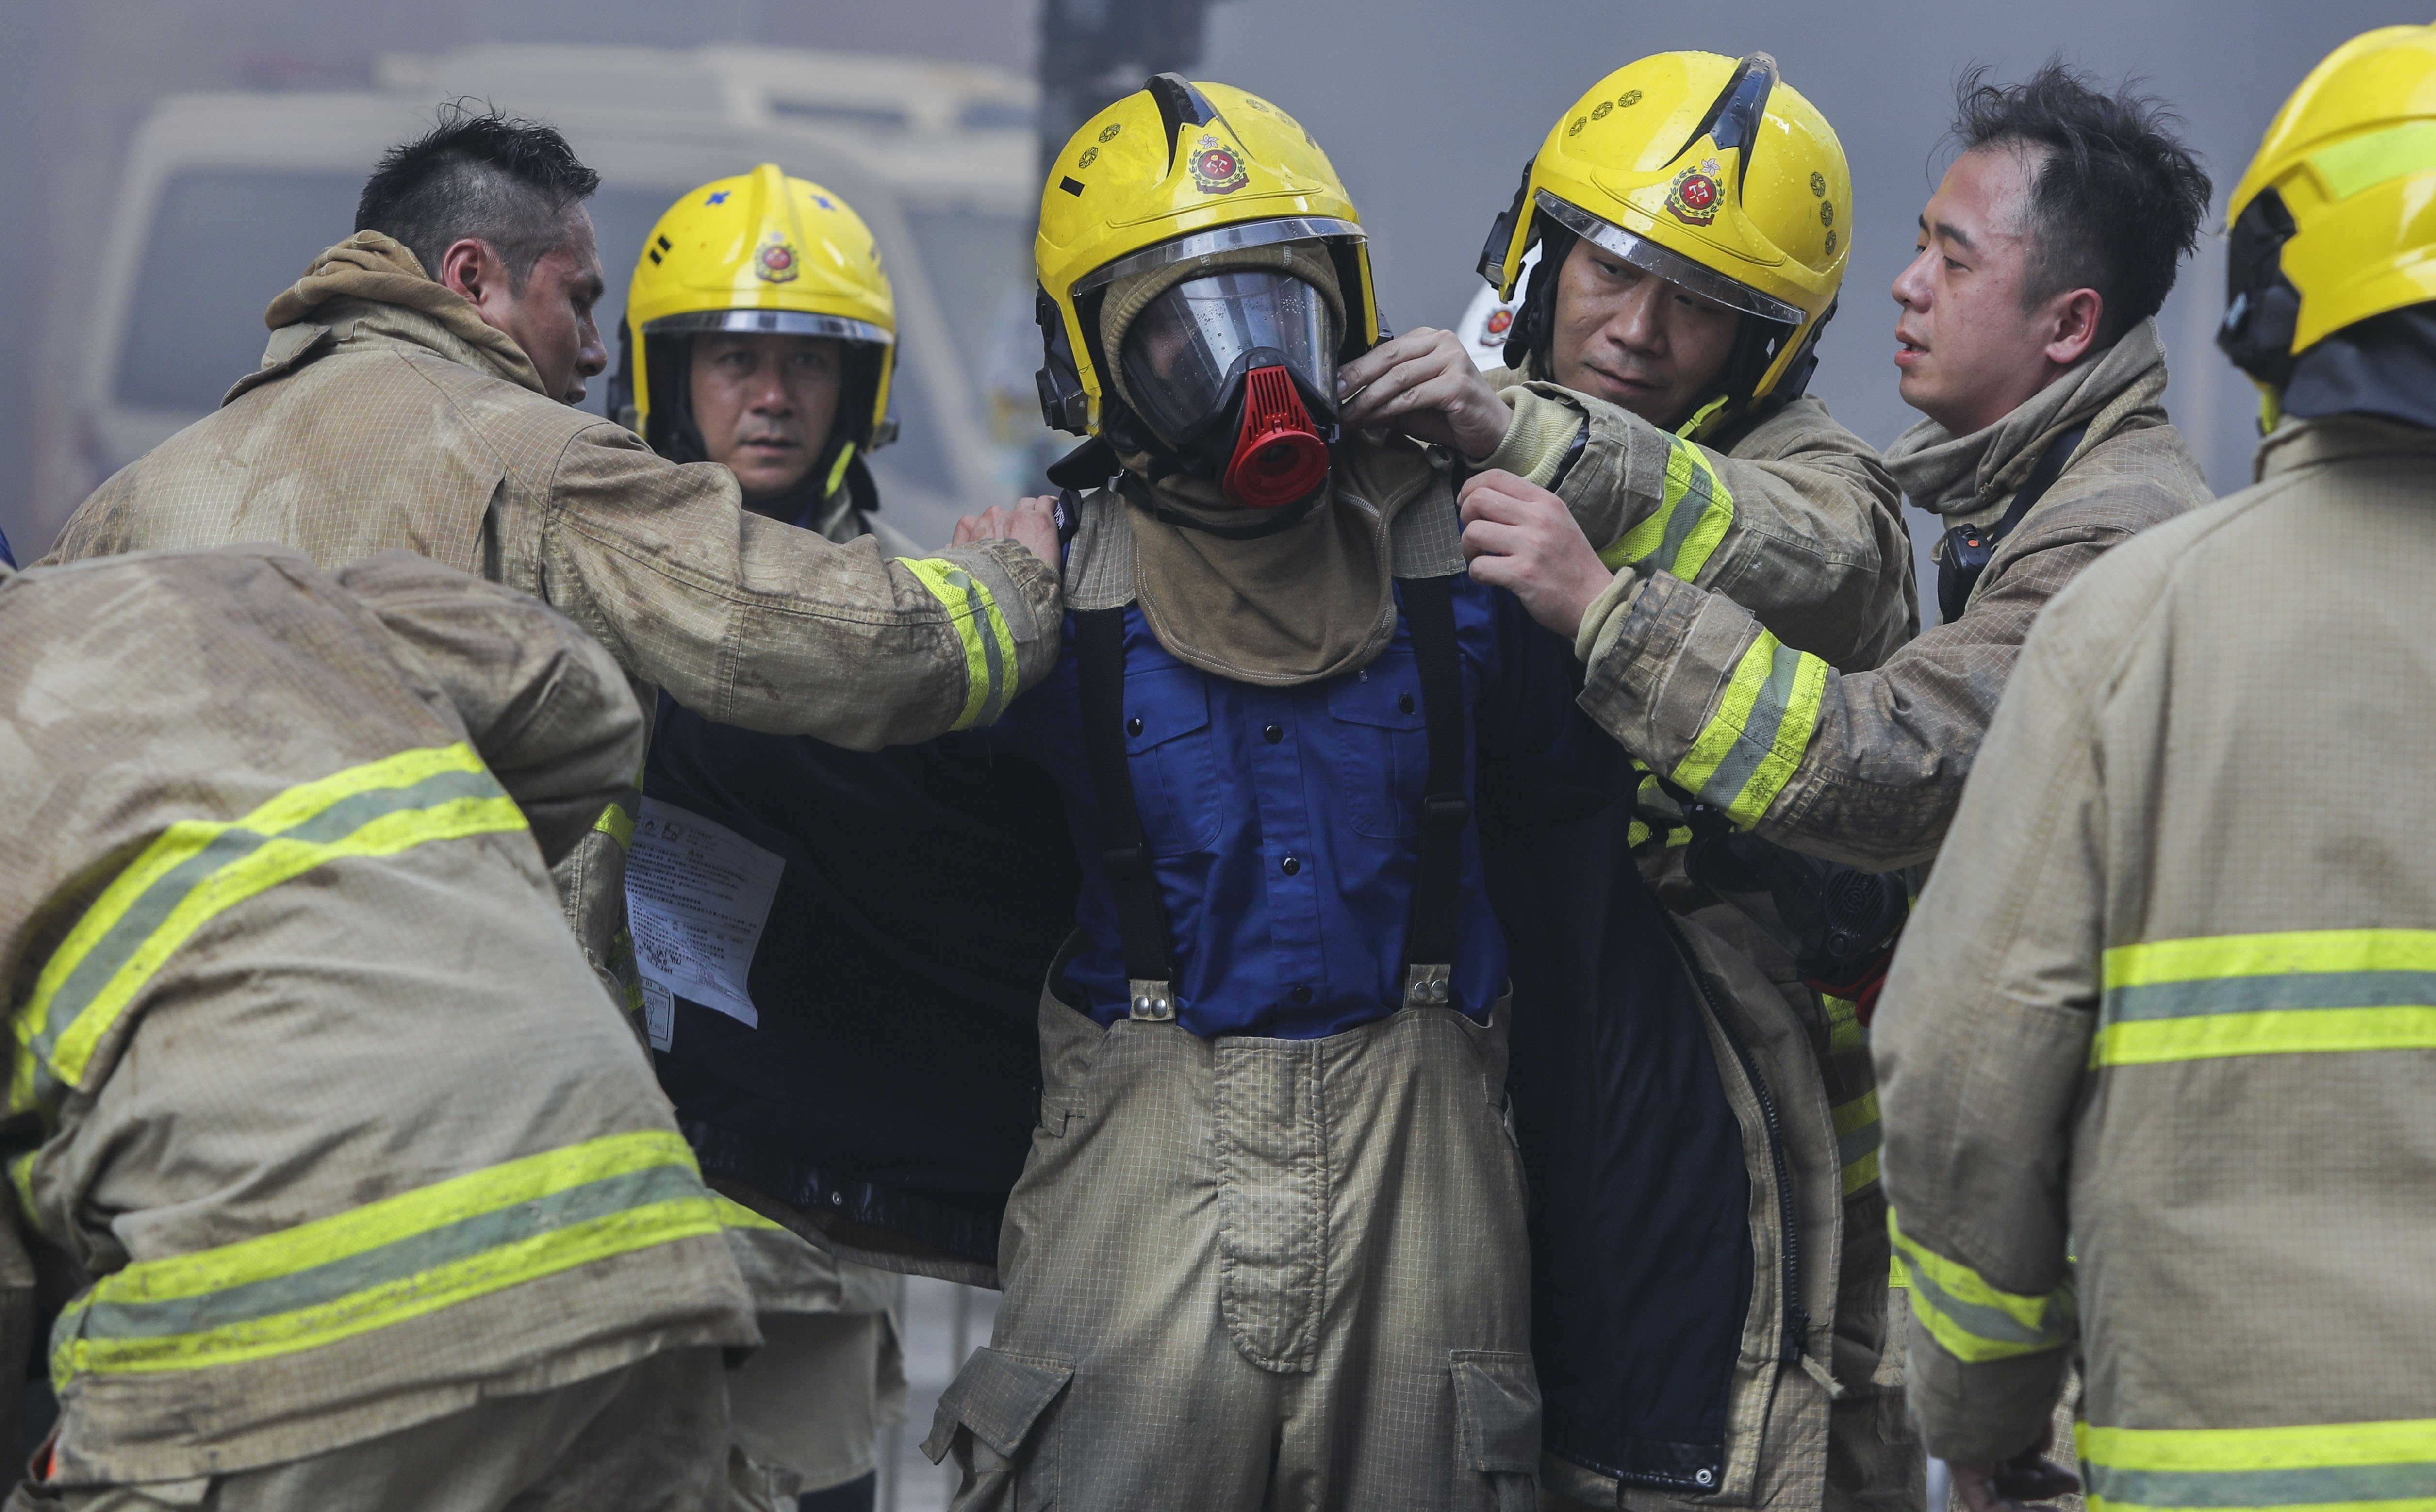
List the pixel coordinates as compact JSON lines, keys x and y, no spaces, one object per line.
{"x":1182,"y":352}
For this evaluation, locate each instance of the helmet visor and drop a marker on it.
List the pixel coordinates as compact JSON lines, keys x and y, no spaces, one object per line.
{"x":1667,"y":263}
{"x":1184,"y":351}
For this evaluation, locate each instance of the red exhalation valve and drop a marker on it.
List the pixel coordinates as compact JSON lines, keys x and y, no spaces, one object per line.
{"x":1279,"y":456}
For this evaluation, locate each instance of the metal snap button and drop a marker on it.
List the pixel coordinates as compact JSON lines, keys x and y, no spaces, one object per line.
{"x":1290,"y":866}
{"x":1273,"y":732}
{"x":1133,"y":726}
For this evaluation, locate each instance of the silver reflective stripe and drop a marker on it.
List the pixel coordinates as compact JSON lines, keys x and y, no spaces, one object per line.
{"x":2266,"y":994}
{"x":1699,"y":494}
{"x":1734,"y":769}
{"x":2317,"y":1486}
{"x":410,"y":1256}
{"x":1219,"y":239}
{"x":994,"y":703}
{"x":778,"y":322}
{"x":1671,"y":266}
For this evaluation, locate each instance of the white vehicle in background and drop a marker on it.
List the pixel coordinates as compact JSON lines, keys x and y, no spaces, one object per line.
{"x":226,"y":198}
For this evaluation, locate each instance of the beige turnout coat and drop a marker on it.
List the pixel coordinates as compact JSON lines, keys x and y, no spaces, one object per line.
{"x":385,"y":413}
{"x":1865,"y":767}
{"x":308,"y":1082}
{"x":2164,"y":1008}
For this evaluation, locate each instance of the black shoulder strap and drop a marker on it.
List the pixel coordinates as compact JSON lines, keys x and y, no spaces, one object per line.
{"x":1969,"y":548}
{"x":1429,"y":954}
{"x":1141,"y":919}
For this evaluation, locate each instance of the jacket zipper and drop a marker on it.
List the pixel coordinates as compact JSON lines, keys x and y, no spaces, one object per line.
{"x":1797,"y":1317}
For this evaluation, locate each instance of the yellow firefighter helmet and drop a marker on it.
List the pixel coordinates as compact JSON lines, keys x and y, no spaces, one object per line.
{"x":760,"y":252}
{"x":1173,"y":171}
{"x":1712,"y":173}
{"x":2336,"y":221}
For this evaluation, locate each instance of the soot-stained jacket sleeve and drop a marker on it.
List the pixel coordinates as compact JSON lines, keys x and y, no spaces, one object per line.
{"x":1796,"y":518}
{"x":545,"y":707}
{"x":758,"y":624}
{"x":1863,"y":767}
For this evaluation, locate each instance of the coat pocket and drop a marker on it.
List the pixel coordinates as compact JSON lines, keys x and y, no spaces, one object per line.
{"x":1497,"y":1430}
{"x":989,"y":1419}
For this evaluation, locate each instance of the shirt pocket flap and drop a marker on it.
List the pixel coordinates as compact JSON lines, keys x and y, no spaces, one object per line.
{"x":1386,"y":695}
{"x":1497,"y":1412}
{"x":999,"y":1397}
{"x":1163,"y":706}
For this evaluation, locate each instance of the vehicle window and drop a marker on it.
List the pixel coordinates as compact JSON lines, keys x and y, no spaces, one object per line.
{"x":222,"y":243}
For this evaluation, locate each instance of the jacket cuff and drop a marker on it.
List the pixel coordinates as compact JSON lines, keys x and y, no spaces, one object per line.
{"x":1026,"y":594}
{"x":1980,"y":1409}
{"x":1603,"y":622}
{"x":1535,"y":443}
{"x":1634,"y":663}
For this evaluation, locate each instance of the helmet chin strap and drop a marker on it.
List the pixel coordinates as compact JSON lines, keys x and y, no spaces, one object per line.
{"x":1278,"y":455}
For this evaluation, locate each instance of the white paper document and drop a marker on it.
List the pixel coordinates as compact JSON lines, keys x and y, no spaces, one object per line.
{"x":698,"y":894}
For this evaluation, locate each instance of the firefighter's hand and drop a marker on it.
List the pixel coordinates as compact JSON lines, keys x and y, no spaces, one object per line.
{"x":1424,"y":384}
{"x":2011,"y":1485}
{"x":1520,"y":537}
{"x":1030,"y":522}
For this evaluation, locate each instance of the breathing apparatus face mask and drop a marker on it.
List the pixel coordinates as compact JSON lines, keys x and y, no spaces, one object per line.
{"x":1238,"y":369}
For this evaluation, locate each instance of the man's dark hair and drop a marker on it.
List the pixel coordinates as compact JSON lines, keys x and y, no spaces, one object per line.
{"x":2118,"y":198}
{"x":477,"y":173}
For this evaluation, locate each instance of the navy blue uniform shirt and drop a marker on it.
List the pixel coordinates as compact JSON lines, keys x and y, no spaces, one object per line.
{"x":1284,"y":822}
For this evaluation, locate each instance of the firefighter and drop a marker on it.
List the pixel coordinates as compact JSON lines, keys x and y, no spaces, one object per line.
{"x":361,"y":1189}
{"x":1269,"y":1242}
{"x":1690,"y":218}
{"x":786,"y":383}
{"x":2156,"y":1057}
{"x":416,"y":393}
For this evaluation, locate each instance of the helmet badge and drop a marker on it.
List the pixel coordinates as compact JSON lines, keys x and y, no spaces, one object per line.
{"x":1216,"y":169}
{"x":1693,"y":196}
{"x":776,"y":262}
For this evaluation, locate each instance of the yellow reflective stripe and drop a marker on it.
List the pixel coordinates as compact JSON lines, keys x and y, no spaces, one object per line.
{"x":2364,"y":1467}
{"x":2364,"y":162}
{"x":21,"y":1180}
{"x":196,"y":870}
{"x":1693,"y":513}
{"x":1858,"y":1139}
{"x":1972,"y":1318}
{"x":734,"y":1214}
{"x":988,"y":643}
{"x":390,"y":1261}
{"x":2293,"y":992}
{"x":616,"y":823}
{"x":1636,"y":835}
{"x":1754,"y":745}
{"x":1845,"y":1034}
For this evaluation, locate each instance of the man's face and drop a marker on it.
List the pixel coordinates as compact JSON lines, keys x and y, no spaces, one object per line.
{"x":764,"y":404}
{"x":1966,"y":350}
{"x":1636,"y":340}
{"x":551,"y":316}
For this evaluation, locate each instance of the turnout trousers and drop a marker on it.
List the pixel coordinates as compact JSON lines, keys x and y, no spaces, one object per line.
{"x":1249,"y":1274}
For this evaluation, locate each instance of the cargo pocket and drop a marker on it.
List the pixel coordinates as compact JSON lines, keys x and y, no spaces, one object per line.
{"x":1497,"y":1430}
{"x":987,"y":1419}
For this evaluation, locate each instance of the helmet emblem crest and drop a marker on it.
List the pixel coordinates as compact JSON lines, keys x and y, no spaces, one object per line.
{"x":1216,"y":169}
{"x":776,"y":262}
{"x":1693,"y":195}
